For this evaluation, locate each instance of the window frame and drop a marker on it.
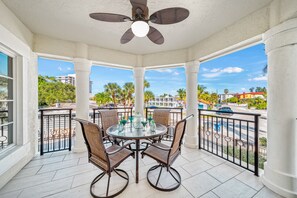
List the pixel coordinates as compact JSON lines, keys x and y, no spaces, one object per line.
{"x":12,"y":55}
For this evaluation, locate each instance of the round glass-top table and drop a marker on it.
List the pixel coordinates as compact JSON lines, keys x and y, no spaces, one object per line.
{"x":130,"y":133}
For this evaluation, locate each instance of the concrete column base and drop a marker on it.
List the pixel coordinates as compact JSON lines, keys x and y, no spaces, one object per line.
{"x":279,"y":182}
{"x":191,"y":141}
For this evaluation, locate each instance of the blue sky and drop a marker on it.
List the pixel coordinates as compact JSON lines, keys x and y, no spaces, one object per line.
{"x":237,"y":72}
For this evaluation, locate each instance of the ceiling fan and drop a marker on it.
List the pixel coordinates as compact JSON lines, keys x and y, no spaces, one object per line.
{"x":140,"y":19}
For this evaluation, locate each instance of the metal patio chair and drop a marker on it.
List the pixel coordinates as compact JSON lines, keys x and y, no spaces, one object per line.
{"x":166,"y":155}
{"x":161,"y":116}
{"x":108,"y":119}
{"x":106,"y":159}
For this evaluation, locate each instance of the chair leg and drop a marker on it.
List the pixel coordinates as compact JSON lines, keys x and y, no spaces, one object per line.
{"x":124,"y":175}
{"x":168,"y":169}
{"x":107,"y":189}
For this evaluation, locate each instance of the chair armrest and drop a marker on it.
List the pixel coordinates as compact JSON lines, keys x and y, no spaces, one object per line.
{"x":159,"y":147}
{"x":119,"y":149}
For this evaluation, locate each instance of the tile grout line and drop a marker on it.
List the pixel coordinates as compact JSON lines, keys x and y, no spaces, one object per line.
{"x":258,"y":192}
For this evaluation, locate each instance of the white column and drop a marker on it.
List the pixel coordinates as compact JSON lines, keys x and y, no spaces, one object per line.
{"x":280,"y":170}
{"x":82,"y":69}
{"x":139,"y":89}
{"x":191,"y":136}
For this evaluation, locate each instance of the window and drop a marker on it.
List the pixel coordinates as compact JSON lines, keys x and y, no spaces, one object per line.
{"x":6,"y":101}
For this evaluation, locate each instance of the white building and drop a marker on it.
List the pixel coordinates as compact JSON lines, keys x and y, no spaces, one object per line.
{"x":167,"y":101}
{"x":70,"y":79}
{"x":223,"y":97}
{"x":63,"y":30}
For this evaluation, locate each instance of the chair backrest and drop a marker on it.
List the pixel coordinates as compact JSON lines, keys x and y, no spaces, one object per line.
{"x":161,"y":116}
{"x":93,"y":138}
{"x":180,"y":129}
{"x":108,"y":118}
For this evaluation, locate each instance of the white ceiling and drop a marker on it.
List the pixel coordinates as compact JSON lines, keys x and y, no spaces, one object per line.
{"x":69,"y":20}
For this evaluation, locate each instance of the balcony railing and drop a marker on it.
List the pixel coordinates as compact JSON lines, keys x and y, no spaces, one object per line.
{"x":123,"y":113}
{"x":176,"y":114}
{"x":231,"y":136}
{"x":56,"y":130}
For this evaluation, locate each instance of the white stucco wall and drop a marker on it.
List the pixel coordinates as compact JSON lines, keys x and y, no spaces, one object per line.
{"x":13,"y":24}
{"x":19,"y":43}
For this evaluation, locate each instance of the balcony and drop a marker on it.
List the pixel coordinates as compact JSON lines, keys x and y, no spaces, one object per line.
{"x":204,"y":172}
{"x":213,"y":29}
{"x":68,"y":174}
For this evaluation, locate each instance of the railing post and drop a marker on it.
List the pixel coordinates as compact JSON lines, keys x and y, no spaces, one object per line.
{"x":256,"y":155}
{"x":94,"y":115}
{"x":199,"y":128}
{"x":41,"y":132}
{"x":181,"y":113}
{"x":131,"y":111}
{"x":70,"y":128}
{"x":146,"y":112}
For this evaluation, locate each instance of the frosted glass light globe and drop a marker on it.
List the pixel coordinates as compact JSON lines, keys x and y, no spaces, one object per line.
{"x":140,"y":28}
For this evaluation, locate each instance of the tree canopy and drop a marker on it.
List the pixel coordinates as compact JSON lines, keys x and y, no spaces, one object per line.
{"x":51,"y":91}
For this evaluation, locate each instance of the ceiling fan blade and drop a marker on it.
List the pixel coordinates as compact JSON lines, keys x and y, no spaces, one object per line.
{"x":155,"y":36}
{"x":169,"y":16}
{"x":127,"y":36}
{"x":108,"y":17}
{"x":139,"y":4}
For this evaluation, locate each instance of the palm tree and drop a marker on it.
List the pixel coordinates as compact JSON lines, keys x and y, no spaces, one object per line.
{"x":265,"y":69}
{"x":181,"y":94}
{"x":252,"y":89}
{"x":129,"y":89}
{"x":113,"y":89}
{"x":148,"y":95}
{"x":146,"y":84}
{"x":102,"y":98}
{"x":200,"y":89}
{"x":226,"y":91}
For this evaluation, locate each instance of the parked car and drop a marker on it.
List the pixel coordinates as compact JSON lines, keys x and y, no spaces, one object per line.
{"x":225,"y":111}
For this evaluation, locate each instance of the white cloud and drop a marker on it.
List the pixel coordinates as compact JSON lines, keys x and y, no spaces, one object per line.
{"x":175,"y":73}
{"x":164,"y":70}
{"x":232,"y":70}
{"x":205,"y":69}
{"x":218,"y":71}
{"x":215,"y":70}
{"x":68,"y":68}
{"x":259,"y":78}
{"x":211,"y":75}
{"x":60,"y":68}
{"x":243,"y":89}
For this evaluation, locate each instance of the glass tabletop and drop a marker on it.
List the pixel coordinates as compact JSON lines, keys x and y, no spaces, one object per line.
{"x":130,"y":132}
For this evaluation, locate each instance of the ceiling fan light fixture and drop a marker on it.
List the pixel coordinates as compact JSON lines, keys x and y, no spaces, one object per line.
{"x":140,"y":28}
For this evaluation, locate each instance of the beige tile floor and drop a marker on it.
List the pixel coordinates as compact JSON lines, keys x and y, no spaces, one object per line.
{"x":65,"y":174}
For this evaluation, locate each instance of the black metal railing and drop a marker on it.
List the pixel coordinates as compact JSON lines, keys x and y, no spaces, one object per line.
{"x":176,"y":114}
{"x":231,"y":136}
{"x":123,"y":113}
{"x":56,"y":130}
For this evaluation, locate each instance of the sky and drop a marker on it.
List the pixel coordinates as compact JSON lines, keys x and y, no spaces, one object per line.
{"x":236,"y":72}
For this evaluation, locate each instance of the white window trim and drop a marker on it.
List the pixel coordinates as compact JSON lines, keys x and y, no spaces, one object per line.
{"x":13,"y":55}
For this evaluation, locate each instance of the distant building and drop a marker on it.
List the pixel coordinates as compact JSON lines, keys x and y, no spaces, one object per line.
{"x":167,"y":101}
{"x":70,"y":79}
{"x":250,"y":95}
{"x":223,"y":97}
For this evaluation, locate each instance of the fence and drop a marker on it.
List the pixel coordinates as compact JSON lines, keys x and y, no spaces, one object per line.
{"x":123,"y":113}
{"x":232,"y":136}
{"x":56,"y":130}
{"x":176,"y":114}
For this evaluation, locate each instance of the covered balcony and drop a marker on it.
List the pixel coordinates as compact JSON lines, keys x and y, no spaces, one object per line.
{"x":211,"y":164}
